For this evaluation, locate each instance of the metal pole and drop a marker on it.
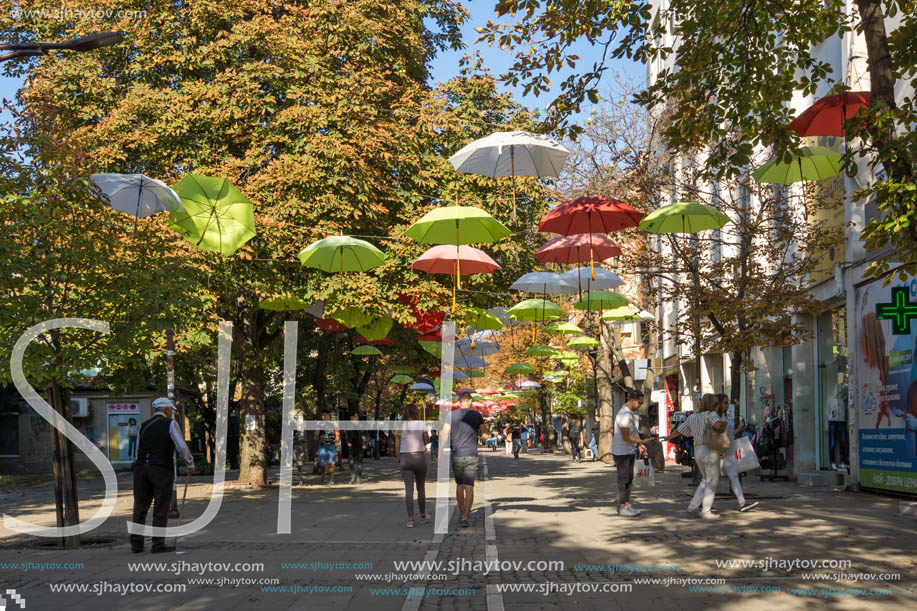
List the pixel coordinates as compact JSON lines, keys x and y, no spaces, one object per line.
{"x":170,"y":392}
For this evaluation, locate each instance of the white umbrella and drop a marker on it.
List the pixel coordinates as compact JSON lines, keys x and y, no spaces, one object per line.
{"x":604,"y":279}
{"x":421,"y":386}
{"x":545,"y":283}
{"x":480,"y":349}
{"x":503,"y":314}
{"x":529,"y":385}
{"x":136,"y":194}
{"x":511,"y":154}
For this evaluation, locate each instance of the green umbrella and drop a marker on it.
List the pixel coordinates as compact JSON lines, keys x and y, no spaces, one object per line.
{"x":377,"y":328}
{"x":281,"y":304}
{"x":536,"y":310}
{"x":366,"y":351}
{"x":541,"y":350}
{"x":683,"y":217}
{"x":341,"y":254}
{"x":557,"y":373}
{"x":351,"y":317}
{"x":474,"y":373}
{"x":813,"y":163}
{"x":583,"y":342}
{"x":404,"y":369}
{"x":214,"y":215}
{"x":479,"y":318}
{"x":562,"y":328}
{"x":567,"y":357}
{"x":600,"y":300}
{"x":401,"y":379}
{"x":433,"y":347}
{"x":622,"y":314}
{"x":519,"y":368}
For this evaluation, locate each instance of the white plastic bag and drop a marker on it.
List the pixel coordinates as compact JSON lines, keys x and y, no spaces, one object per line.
{"x":744,"y":454}
{"x":644,"y":474}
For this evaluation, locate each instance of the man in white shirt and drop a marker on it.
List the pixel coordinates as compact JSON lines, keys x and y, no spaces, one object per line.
{"x":627,"y":433}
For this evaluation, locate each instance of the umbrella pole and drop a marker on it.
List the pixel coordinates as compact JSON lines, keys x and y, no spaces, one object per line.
{"x":512,"y":165}
{"x":204,"y":230}
{"x":137,"y":216}
{"x":591,"y":258}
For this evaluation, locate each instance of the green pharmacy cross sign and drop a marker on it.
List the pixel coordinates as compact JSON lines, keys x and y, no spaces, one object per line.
{"x":900,"y":311}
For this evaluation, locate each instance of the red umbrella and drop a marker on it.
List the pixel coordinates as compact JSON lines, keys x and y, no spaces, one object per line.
{"x":827,"y":116}
{"x":424,"y":320}
{"x":433,"y":336}
{"x":329,"y":324}
{"x":590,"y":215}
{"x":459,"y":261}
{"x":578,"y":248}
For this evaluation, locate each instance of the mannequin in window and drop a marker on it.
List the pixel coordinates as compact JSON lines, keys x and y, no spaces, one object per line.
{"x":837,"y":426}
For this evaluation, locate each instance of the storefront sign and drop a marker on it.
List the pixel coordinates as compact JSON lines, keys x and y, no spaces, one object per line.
{"x":123,"y":408}
{"x":886,"y":386}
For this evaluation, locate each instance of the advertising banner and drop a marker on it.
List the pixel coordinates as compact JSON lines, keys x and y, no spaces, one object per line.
{"x":886,"y":385}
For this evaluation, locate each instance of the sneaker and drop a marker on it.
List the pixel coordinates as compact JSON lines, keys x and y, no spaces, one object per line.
{"x":694,"y":510}
{"x":708,"y":515}
{"x":465,"y":523}
{"x":748,"y":506}
{"x":626,"y":512}
{"x":424,"y":519}
{"x":331,"y":482}
{"x":833,"y":466}
{"x":410,"y":524}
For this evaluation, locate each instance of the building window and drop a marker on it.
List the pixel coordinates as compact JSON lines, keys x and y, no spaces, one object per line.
{"x":9,"y":434}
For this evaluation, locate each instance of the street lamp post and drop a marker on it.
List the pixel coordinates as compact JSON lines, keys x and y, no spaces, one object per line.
{"x":77,"y":45}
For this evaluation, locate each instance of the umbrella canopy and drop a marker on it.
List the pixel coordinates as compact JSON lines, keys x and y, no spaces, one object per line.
{"x":213,"y":215}
{"x":422,"y":386}
{"x":600,"y":300}
{"x":813,"y":163}
{"x":579,"y":248}
{"x":540,"y":351}
{"x":431,"y":347}
{"x":456,"y":375}
{"x":563,"y":328}
{"x":329,"y":324}
{"x":511,"y":154}
{"x":442,"y":260}
{"x":351,"y":317}
{"x":401,"y":379}
{"x":482,"y":319}
{"x":604,"y":279}
{"x":136,"y":194}
{"x":457,"y":225}
{"x":376,"y":328}
{"x":480,"y":349}
{"x":341,"y":254}
{"x":545,"y":283}
{"x":558,"y":374}
{"x":474,"y":373}
{"x":626,"y":314}
{"x":471,"y":362}
{"x":590,"y":215}
{"x":519,"y":368}
{"x":503,"y":315}
{"x":425,"y":319}
{"x":536,"y":310}
{"x":488,"y":391}
{"x":567,"y":357}
{"x":529,"y":385}
{"x":583,"y":342}
{"x":281,"y":304}
{"x":366,"y":350}
{"x":683,"y":217}
{"x":827,"y":116}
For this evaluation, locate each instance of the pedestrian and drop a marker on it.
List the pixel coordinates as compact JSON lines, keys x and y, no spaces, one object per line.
{"x":594,"y":444}
{"x":356,"y":447}
{"x":410,"y":449}
{"x":494,"y":439}
{"x":328,"y":437}
{"x":524,"y":438}
{"x":516,"y":434}
{"x":627,"y":433}
{"x":730,"y":464}
{"x":434,"y":446}
{"x":575,"y":435}
{"x":463,"y":426}
{"x":153,"y":471}
{"x":704,"y":426}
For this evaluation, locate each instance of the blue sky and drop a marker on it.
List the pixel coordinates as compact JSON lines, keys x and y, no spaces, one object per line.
{"x":446,"y":64}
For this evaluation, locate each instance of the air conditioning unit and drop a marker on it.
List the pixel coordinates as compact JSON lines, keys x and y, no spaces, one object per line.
{"x":79,"y":407}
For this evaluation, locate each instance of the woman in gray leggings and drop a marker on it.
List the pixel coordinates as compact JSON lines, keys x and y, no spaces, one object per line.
{"x":410,"y":449}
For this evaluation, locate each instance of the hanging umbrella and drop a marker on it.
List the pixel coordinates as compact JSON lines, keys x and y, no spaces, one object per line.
{"x":529,"y":385}
{"x":813,"y":163}
{"x":626,"y":314}
{"x":827,"y":116}
{"x":563,"y":328}
{"x":583,"y":342}
{"x":474,"y":373}
{"x":567,"y":357}
{"x":558,"y":374}
{"x":281,"y":304}
{"x":600,"y":300}
{"x":214,"y":215}
{"x":457,"y":225}
{"x":604,"y":279}
{"x":401,"y":379}
{"x":460,"y":261}
{"x":683,"y":217}
{"x":590,"y":215}
{"x":366,"y":350}
{"x":544,"y":283}
{"x":422,"y":386}
{"x":471,"y":362}
{"x":341,"y":254}
{"x":432,"y":343}
{"x":532,"y":310}
{"x":519,"y":368}
{"x":484,"y":320}
{"x":376,"y":328}
{"x":456,"y":375}
{"x":503,"y":316}
{"x":540,"y":351}
{"x":351,"y":317}
{"x":425,"y":319}
{"x":329,"y":324}
{"x":479,"y":349}
{"x":578,"y":248}
{"x":137,"y":195}
{"x":511,"y":154}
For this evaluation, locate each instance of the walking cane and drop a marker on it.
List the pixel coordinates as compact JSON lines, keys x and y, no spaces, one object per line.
{"x":181,"y":508}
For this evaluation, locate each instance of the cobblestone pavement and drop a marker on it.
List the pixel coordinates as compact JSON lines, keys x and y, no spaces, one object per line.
{"x":537,"y":509}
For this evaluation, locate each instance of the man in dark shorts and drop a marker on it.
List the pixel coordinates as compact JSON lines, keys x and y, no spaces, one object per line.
{"x":464,"y":426}
{"x":328,"y":437}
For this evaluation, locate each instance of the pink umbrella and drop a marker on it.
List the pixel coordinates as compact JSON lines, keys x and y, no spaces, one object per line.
{"x":578,"y":248}
{"x":458,"y":261}
{"x":590,"y":215}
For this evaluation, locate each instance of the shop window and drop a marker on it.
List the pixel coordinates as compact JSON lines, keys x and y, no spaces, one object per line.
{"x":9,"y":434}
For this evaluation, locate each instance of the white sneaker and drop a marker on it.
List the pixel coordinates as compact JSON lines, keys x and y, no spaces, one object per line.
{"x":707,"y":515}
{"x":694,"y":510}
{"x":627,"y":512}
{"x":833,"y":466}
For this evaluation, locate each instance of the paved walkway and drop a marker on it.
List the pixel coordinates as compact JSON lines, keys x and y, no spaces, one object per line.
{"x":539,"y":508}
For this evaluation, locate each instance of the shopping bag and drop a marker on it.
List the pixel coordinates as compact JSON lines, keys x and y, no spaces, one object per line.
{"x":644,"y":473}
{"x":745,"y":457}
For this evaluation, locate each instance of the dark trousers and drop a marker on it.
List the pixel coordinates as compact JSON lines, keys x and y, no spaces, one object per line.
{"x":356,"y":466}
{"x":837,"y":438}
{"x":625,"y":466}
{"x":574,"y":448}
{"x":151,"y":483}
{"x":517,"y":445}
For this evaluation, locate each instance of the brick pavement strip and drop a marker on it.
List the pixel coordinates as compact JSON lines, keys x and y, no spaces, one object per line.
{"x":543,"y":508}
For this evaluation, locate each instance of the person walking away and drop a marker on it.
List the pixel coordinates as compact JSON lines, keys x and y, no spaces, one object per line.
{"x":153,"y":471}
{"x":575,"y":435}
{"x":434,"y":446}
{"x":410,"y":450}
{"x":328,"y":437}
{"x":702,"y":427}
{"x":524,"y":439}
{"x":516,"y":434}
{"x":626,"y":435}
{"x":730,"y":464}
{"x":356,"y":447}
{"x":594,"y":444}
{"x":463,"y":426}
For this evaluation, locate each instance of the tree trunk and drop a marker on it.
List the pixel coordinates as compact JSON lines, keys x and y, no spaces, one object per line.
{"x":65,"y":489}
{"x":735,"y":376}
{"x":547,"y":427}
{"x":252,"y":463}
{"x":604,"y":377}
